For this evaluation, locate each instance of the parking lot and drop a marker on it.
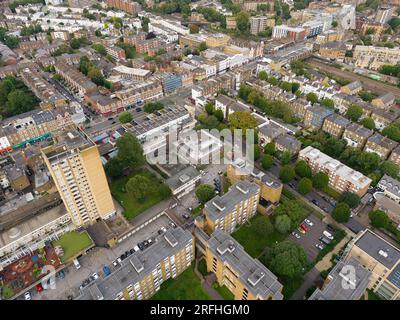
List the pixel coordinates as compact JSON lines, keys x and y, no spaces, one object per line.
{"x":310,"y":238}
{"x":94,"y":261}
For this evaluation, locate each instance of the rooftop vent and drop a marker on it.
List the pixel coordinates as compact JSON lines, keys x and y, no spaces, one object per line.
{"x":242,"y":188}
{"x":184,"y":178}
{"x":383,"y":253}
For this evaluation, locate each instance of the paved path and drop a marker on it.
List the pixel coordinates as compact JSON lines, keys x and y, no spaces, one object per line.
{"x":214,"y":295}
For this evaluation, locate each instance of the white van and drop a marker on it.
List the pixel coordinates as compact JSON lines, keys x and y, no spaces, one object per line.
{"x":77,"y":264}
{"x":328,"y":235}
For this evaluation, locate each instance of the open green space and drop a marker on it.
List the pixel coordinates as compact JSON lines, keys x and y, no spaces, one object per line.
{"x":249,"y":238}
{"x":132,"y":206}
{"x":73,"y":243}
{"x":224,"y":292}
{"x":186,"y":286}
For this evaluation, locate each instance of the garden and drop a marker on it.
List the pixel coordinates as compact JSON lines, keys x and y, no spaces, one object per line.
{"x":72,"y":244}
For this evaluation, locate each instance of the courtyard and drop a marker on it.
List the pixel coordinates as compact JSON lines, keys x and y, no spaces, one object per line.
{"x":72,"y":244}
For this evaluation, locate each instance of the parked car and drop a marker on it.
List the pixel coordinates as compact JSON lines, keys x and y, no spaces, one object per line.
{"x":319,"y":246}
{"x":135,"y":248}
{"x":296,"y":235}
{"x":328,"y":235}
{"x":220,"y":173}
{"x":309,"y":222}
{"x":186,"y":216}
{"x":95,"y":276}
{"x":141,"y":246}
{"x":325,"y":240}
{"x":304,"y":227}
{"x":106,"y":270}
{"x":330,"y":228}
{"x":172,"y":224}
{"x":163,"y":229}
{"x":301,"y":230}
{"x":77,"y":264}
{"x":28,"y":296}
{"x":315,"y":202}
{"x":39,"y":288}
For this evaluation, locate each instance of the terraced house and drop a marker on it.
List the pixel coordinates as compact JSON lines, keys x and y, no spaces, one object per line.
{"x":380,"y":145}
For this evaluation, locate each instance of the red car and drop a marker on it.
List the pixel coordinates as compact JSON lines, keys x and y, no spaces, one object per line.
{"x":39,"y":287}
{"x":304,"y":227}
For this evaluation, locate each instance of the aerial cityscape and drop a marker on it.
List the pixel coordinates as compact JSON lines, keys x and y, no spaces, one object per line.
{"x":200,"y":150}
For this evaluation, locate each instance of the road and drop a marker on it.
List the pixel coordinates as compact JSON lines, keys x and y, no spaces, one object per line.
{"x":368,"y":84}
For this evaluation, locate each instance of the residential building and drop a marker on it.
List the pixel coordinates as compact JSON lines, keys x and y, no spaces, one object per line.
{"x":258,"y":24}
{"x":228,"y":105}
{"x":384,"y":14}
{"x":384,"y":118}
{"x":335,"y":125}
{"x":286,"y":142}
{"x":381,"y":145}
{"x":315,"y":116}
{"x":77,"y":171}
{"x":352,"y":88}
{"x":284,"y":31}
{"x":246,"y":277}
{"x":217,"y":40}
{"x":357,"y":135}
{"x":128,"y":6}
{"x":355,"y":282}
{"x":390,"y":187}
{"x":231,"y":22}
{"x":115,"y":52}
{"x":380,"y":258}
{"x":271,"y":188}
{"x":132,"y":73}
{"x":333,"y":50}
{"x":75,"y":79}
{"x":81,"y":3}
{"x":269,"y":132}
{"x":146,"y":91}
{"x":184,"y":181}
{"x":341,"y":177}
{"x":104,"y":104}
{"x":251,"y":5}
{"x":7,"y":55}
{"x":395,"y":155}
{"x":234,"y":208}
{"x":140,"y":275}
{"x":384,"y":101}
{"x":371,"y":57}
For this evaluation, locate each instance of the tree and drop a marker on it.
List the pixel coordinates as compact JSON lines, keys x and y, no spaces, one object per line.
{"x":242,"y":120}
{"x":125,"y":117}
{"x":390,"y":168}
{"x":287,"y":86}
{"x":139,"y":187}
{"x":263,"y":227}
{"x":320,"y":180}
{"x":283,"y":223}
{"x":263,"y":75}
{"x":379,"y":219}
{"x":255,"y":150}
{"x":392,"y":132}
{"x":305,"y":186}
{"x":286,"y":157}
{"x":303,"y":169}
{"x":242,"y":21}
{"x":219,"y":115}
{"x":194,"y":28}
{"x":295,"y":87}
{"x":286,"y":259}
{"x":312,"y":97}
{"x":269,"y":148}
{"x":100,"y":49}
{"x":334,"y":24}
{"x":19,"y":102}
{"x":267,"y":161}
{"x":130,"y":151}
{"x":114,"y":167}
{"x":341,"y":213}
{"x":202,"y":46}
{"x":294,"y":210}
{"x":350,"y":198}
{"x":328,"y":103}
{"x":209,"y":107}
{"x":287,"y":174}
{"x":354,"y":112}
{"x":204,"y":193}
{"x":368,"y":123}
{"x":75,"y":43}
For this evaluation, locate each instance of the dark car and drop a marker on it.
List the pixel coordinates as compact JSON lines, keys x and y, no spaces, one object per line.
{"x":186,"y":216}
{"x":141,"y":246}
{"x":330,"y":228}
{"x":315,"y":202}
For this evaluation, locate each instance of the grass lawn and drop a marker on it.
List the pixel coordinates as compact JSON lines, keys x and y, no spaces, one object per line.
{"x":224,"y":292}
{"x":185,"y":287}
{"x":372,"y":295}
{"x":133,"y":207}
{"x":202,"y":267}
{"x":7,"y":292}
{"x":73,"y":243}
{"x":251,"y":241}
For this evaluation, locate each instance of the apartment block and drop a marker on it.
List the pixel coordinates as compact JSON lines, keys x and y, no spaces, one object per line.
{"x":284,"y":31}
{"x":380,"y":145}
{"x":140,"y":276}
{"x":116,"y":52}
{"x":217,"y":40}
{"x":271,"y":188}
{"x":315,"y":116}
{"x":333,"y":50}
{"x":269,"y":132}
{"x":77,"y":171}
{"x":132,"y":73}
{"x":234,"y":208}
{"x":356,"y":135}
{"x":384,"y":14}
{"x":75,"y":79}
{"x":128,"y":6}
{"x":371,"y":57}
{"x":335,"y":125}
{"x":144,"y":92}
{"x":231,"y":22}
{"x":251,"y":5}
{"x":258,"y":24}
{"x":246,"y":277}
{"x":341,"y":177}
{"x":380,"y":258}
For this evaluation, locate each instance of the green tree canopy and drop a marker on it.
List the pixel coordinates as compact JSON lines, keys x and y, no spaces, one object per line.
{"x":320,"y":180}
{"x":283,"y":223}
{"x":286,"y":174}
{"x":242,"y":120}
{"x":341,"y":213}
{"x":379,"y":219}
{"x":303,"y":169}
{"x":204,"y":193}
{"x":267,"y":161}
{"x":354,"y":112}
{"x":305,"y":186}
{"x":368,"y":123}
{"x":130,"y":152}
{"x":312,"y":97}
{"x":139,"y":187}
{"x":269,"y":148}
{"x":114,"y":167}
{"x":352,"y":199}
{"x":125,"y":117}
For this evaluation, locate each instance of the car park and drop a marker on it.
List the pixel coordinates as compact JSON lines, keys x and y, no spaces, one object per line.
{"x":186,"y":216}
{"x":106,"y":270}
{"x":304,"y":227}
{"x":301,"y":230}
